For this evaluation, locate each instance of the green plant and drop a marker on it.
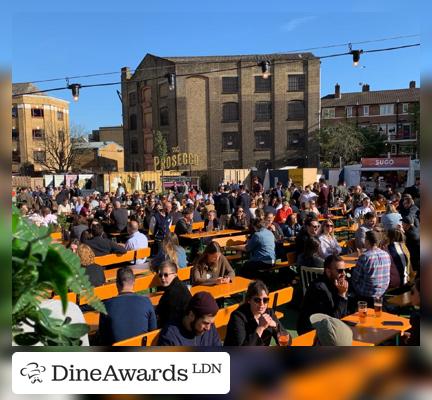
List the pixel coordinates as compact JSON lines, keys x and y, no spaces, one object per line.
{"x":40,"y":267}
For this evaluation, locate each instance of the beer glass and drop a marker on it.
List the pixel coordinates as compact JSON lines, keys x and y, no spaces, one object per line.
{"x":378,"y":306}
{"x":362,"y":311}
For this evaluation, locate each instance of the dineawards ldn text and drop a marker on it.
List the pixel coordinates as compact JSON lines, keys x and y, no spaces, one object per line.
{"x":113,"y":374}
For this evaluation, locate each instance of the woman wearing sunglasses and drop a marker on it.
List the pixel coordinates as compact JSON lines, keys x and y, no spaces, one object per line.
{"x":253,"y":323}
{"x":328,"y":242}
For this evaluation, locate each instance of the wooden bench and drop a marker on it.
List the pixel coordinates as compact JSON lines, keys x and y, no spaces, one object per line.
{"x":291,"y":260}
{"x":196,"y":226}
{"x":307,"y":340}
{"x":280,"y":297}
{"x":56,"y":235}
{"x":129,"y":256}
{"x":231,"y":241}
{"x":146,"y":339}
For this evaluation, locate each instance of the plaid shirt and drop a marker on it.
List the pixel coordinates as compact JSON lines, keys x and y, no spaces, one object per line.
{"x":371,"y":276}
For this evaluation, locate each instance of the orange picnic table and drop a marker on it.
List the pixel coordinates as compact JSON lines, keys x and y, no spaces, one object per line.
{"x":202,"y":235}
{"x":307,"y":339}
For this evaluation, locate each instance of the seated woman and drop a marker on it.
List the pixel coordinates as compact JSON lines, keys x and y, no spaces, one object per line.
{"x":292,"y":227}
{"x":211,"y":223}
{"x":310,"y":257}
{"x":170,"y":250}
{"x":239,"y":220}
{"x":212,"y":267}
{"x":328,"y":242}
{"x":94,"y":271}
{"x":253,"y":323}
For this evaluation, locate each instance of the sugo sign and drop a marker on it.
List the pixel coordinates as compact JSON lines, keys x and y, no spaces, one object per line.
{"x":396,"y":162}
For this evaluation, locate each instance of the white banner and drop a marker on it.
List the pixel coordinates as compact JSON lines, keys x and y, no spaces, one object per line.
{"x":121,"y":373}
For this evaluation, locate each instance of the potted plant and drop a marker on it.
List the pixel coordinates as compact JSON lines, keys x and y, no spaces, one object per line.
{"x":39,"y":269}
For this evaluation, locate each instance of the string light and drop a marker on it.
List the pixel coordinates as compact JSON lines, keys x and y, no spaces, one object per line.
{"x":75,"y":87}
{"x":265,"y":68}
{"x":171,"y":81}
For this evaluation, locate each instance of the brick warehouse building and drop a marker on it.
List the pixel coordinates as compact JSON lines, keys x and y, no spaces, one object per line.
{"x":232,"y":118}
{"x":394,"y":113}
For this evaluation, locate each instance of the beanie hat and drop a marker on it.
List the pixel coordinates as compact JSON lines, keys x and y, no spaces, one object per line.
{"x":331,"y":331}
{"x":203,"y":303}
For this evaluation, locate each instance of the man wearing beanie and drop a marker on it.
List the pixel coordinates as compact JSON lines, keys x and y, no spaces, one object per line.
{"x":196,"y":327}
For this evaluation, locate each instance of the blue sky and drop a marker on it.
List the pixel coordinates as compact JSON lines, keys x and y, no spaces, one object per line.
{"x":84,"y":40}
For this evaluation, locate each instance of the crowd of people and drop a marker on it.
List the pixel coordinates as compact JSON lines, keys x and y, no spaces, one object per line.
{"x":386,"y":240}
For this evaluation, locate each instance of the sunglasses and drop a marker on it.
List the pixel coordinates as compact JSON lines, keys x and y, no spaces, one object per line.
{"x":258,"y":300}
{"x":340,"y":271}
{"x":329,"y":225}
{"x":165,"y":274}
{"x":315,"y":226}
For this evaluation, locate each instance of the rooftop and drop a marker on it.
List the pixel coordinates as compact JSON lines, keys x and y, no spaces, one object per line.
{"x":20,"y":88}
{"x":95,"y":145}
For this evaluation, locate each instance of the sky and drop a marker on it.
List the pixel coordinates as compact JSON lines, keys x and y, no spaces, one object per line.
{"x":64,"y":41}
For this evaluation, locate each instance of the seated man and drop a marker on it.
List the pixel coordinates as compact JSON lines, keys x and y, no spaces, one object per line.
{"x":102,"y":246}
{"x":137,"y":240}
{"x":175,"y":298}
{"x":128,"y":314}
{"x":371,"y":276}
{"x":328,"y":294}
{"x":368,"y":224}
{"x":365,"y":208}
{"x":196,"y":328}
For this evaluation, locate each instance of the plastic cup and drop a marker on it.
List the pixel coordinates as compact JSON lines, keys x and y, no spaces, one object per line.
{"x":362,"y":311}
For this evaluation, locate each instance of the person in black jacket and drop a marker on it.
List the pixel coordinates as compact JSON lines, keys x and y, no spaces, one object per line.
{"x":310,"y":229}
{"x":412,"y":240}
{"x":253,"y":323}
{"x":243,"y":200}
{"x":100,"y":245}
{"x":328,"y":294}
{"x":176,"y":297}
{"x":119,"y":217}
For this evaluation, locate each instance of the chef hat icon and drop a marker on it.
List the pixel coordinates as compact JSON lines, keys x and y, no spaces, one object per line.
{"x":32,"y":371}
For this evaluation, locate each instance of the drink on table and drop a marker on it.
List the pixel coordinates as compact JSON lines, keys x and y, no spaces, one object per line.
{"x":378,"y":307}
{"x":283,"y":338}
{"x":362,"y":311}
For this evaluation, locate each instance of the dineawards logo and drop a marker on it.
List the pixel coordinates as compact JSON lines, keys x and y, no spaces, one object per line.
{"x":33,"y":371}
{"x":121,"y":373}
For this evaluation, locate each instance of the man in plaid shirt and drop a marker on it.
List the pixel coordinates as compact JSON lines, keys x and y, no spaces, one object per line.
{"x":371,"y":276}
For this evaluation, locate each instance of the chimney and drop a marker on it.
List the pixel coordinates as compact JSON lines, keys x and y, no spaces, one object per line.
{"x":365,"y":88}
{"x":412,"y":85}
{"x":125,"y":73}
{"x":337,"y":94}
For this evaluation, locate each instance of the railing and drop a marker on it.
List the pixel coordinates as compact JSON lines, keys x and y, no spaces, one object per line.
{"x":402,"y":136}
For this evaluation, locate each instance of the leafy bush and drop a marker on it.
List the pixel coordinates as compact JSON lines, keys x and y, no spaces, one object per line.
{"x":40,"y":267}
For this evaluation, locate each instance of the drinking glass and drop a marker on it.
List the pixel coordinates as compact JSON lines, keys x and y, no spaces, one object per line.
{"x":283,"y":337}
{"x":378,"y":306}
{"x":362,"y":311}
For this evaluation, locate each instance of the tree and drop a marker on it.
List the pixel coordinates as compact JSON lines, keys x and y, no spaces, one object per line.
{"x":374,"y":143}
{"x":61,"y":148}
{"x":341,"y":142}
{"x":160,"y":147}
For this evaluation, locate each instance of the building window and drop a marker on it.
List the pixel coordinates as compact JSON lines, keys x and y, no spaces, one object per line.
{"x":163,"y":116}
{"x":60,"y":116}
{"x":349,"y":111}
{"x":328,"y":113}
{"x":230,"y":84}
{"x":37,"y":134}
{"x":37,"y":112}
{"x":296,"y":138}
{"x":132,"y":122}
{"x":406,"y":130}
{"x":230,"y":141}
{"x":15,"y":134}
{"x":262,"y":140}
{"x":16,"y":156}
{"x":263,"y":85}
{"x":262,"y":165}
{"x":146,"y":95}
{"x":163,"y":90}
{"x":230,"y":112}
{"x":263,"y":111}
{"x":393,"y":149}
{"x":132,"y":98}
{"x":14,"y":112}
{"x":39,"y":156}
{"x":296,"y":83}
{"x":405,"y":108}
{"x":296,"y":110}
{"x":134,"y":146}
{"x":386,"y":109}
{"x":232,"y":164}
{"x":61,"y":136}
{"x":365,"y":110}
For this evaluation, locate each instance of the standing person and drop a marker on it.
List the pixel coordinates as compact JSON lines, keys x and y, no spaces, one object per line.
{"x":159,"y":226}
{"x":306,"y":196}
{"x":212,"y":267}
{"x":257,"y":187}
{"x":371,"y":276}
{"x":196,"y":327}
{"x":408,"y":208}
{"x":278,"y":191}
{"x":253,"y":323}
{"x":243,"y":200}
{"x":323,"y":196}
{"x":176,"y":295}
{"x":223,"y":207}
{"x":120,"y":191}
{"x":327,"y":294}
{"x":128,"y":314}
{"x":119,"y":217}
{"x":328,"y":243}
{"x":341,"y":190}
{"x":137,"y":240}
{"x":412,"y":236}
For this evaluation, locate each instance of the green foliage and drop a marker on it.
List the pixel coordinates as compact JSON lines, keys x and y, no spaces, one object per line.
{"x":40,"y":267}
{"x":350,"y":143}
{"x":160,"y":147}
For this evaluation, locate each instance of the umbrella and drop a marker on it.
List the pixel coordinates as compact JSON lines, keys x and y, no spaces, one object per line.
{"x":266,"y":183}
